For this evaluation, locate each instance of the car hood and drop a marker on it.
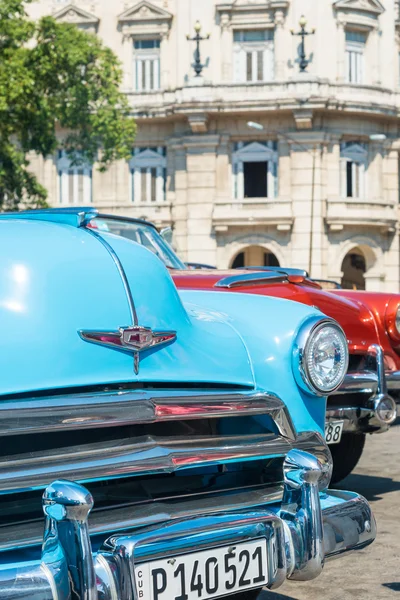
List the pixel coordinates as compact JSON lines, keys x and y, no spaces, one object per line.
{"x":57,"y":279}
{"x":356,"y":320}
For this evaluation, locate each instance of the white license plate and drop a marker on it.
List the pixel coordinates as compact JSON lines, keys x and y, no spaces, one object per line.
{"x":206,"y":574}
{"x":333,"y":432}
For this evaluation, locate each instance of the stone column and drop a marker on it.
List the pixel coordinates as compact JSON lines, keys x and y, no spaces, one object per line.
{"x":375,"y":171}
{"x":341,"y":48}
{"x":164,"y":59}
{"x":279,"y":45}
{"x":127,"y":61}
{"x":226,"y":48}
{"x":201,"y":162}
{"x":375,"y":53}
{"x":177,"y":194}
{"x":307,"y":154}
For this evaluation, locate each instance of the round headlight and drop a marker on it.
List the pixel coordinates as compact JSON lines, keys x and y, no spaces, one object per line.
{"x":323,"y":356}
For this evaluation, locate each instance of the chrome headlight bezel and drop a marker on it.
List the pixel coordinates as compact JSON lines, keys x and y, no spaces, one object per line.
{"x":304,"y":338}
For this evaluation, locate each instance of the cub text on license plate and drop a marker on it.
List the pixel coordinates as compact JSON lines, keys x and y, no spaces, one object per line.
{"x":333,"y":432}
{"x":207,"y":574}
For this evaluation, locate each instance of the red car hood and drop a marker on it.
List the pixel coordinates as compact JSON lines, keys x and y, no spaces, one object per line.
{"x":356,"y":320}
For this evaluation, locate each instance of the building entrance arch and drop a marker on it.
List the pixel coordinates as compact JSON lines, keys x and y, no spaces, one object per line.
{"x":255,"y":256}
{"x":354,"y":266}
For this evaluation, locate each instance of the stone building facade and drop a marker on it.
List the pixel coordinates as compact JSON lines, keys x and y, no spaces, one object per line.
{"x":313,"y":183}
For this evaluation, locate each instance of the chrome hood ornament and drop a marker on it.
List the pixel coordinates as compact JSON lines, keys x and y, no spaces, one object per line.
{"x":129,"y":339}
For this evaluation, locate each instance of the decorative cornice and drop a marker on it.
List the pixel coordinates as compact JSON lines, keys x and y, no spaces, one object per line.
{"x":373,"y":7}
{"x":144,"y":19}
{"x":144,"y":11}
{"x":77,"y":16}
{"x":244,"y":13}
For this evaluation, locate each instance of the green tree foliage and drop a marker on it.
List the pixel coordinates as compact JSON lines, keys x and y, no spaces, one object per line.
{"x":55,"y":78}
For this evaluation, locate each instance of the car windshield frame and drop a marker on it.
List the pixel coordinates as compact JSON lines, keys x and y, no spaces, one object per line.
{"x":142,"y":233}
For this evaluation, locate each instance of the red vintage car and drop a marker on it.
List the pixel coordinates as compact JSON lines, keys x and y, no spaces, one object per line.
{"x":371,"y":322}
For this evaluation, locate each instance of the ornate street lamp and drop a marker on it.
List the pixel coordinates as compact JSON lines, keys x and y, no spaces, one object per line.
{"x":197,"y":66}
{"x":304,"y":62}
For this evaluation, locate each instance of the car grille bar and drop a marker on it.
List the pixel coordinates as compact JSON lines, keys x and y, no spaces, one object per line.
{"x":115,"y":409}
{"x":133,"y":457}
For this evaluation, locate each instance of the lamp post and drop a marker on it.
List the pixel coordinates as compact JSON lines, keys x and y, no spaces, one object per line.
{"x":198,"y":66}
{"x":304,"y":62}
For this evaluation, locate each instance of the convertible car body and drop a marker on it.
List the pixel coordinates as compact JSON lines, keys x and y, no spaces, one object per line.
{"x":191,"y":430}
{"x":363,"y":403}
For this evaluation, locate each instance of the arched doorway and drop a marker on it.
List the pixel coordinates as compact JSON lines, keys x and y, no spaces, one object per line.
{"x":255,"y":256}
{"x":353,"y":268}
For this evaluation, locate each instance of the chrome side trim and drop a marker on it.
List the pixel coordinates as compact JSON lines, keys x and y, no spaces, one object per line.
{"x":112,"y":409}
{"x":121,"y":271}
{"x":234,"y":281}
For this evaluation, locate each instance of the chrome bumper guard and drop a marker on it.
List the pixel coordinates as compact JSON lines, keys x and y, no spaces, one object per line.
{"x":304,"y":530}
{"x":379,"y":410}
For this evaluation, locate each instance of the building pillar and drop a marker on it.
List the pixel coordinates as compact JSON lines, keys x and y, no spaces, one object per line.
{"x":201,"y":164}
{"x":341,"y":48}
{"x":308,"y":186}
{"x":178,"y":195}
{"x":375,"y":42}
{"x":226,"y":48}
{"x":279,"y":45}
{"x":127,"y":61}
{"x":165,"y":61}
{"x":375,"y":171}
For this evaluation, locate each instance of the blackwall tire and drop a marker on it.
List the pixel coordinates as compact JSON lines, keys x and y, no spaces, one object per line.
{"x":346,"y":455}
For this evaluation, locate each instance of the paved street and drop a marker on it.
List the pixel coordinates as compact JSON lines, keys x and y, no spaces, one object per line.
{"x":373,"y":573}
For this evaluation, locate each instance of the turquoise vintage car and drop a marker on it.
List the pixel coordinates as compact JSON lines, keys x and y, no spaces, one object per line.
{"x":196,"y":428}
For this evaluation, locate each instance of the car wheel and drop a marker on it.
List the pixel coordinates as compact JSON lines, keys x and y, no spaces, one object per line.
{"x":249,"y":595}
{"x":346,"y":455}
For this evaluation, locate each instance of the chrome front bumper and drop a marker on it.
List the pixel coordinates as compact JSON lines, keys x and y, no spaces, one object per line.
{"x":370,"y":417}
{"x":393,"y":380}
{"x":303,"y":530}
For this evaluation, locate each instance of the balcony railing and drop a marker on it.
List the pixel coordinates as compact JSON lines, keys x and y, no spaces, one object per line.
{"x":321,"y":94}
